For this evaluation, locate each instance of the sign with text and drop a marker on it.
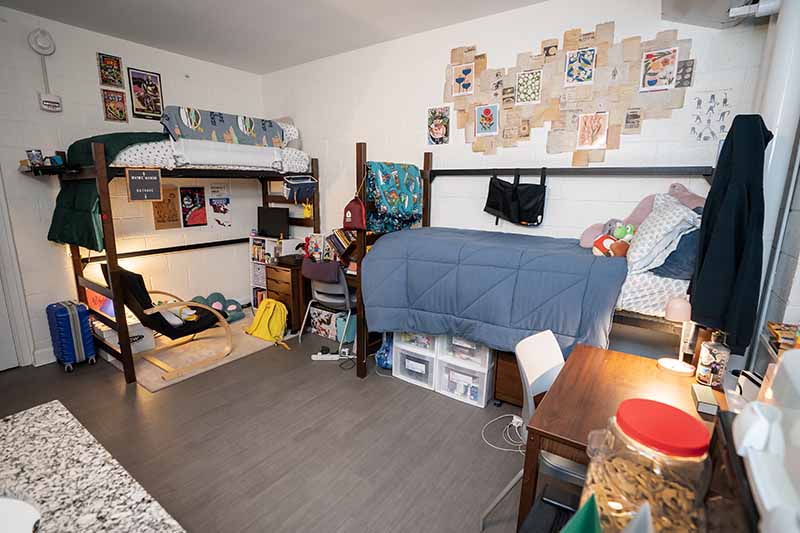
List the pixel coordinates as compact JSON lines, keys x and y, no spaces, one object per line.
{"x":144,"y":184}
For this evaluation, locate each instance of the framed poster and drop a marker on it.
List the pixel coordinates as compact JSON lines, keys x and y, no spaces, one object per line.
{"x":146,"y":97}
{"x":144,"y":184}
{"x":115,"y":108}
{"x":193,"y":207}
{"x":167,"y":212}
{"x":110,"y":70}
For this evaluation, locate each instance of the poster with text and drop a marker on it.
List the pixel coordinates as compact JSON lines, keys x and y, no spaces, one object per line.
{"x":221,"y":211}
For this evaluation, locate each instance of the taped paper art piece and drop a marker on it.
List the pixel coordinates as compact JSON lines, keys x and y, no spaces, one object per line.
{"x":439,"y":124}
{"x":592,"y":131}
{"x":580,"y":67}
{"x":464,"y":79}
{"x":659,"y":70}
{"x":584,"y":88}
{"x":486,"y":120}
{"x":529,"y":87}
{"x":711,"y":115}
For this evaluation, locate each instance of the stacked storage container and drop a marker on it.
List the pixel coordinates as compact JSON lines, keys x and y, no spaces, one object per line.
{"x":452,"y":366}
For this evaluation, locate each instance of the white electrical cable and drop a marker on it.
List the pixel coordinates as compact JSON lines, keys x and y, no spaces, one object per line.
{"x":506,"y":436}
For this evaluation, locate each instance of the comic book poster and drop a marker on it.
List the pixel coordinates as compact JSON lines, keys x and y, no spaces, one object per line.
{"x":146,"y":95}
{"x":114,"y":107}
{"x":193,"y":206}
{"x":110,"y":69}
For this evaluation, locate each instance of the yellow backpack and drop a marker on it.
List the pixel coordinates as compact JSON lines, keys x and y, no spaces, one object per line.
{"x":270,"y":322}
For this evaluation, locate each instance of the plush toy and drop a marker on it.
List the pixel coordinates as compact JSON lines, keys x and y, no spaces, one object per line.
{"x":602,"y":245}
{"x":619,"y":249}
{"x":624,"y":232}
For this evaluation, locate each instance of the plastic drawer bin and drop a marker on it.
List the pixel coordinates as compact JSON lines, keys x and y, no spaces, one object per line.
{"x":466,"y":350}
{"x":421,"y":342}
{"x":413,"y":367}
{"x":464,"y":383}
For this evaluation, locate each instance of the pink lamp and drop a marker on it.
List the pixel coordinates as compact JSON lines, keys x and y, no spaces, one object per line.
{"x":678,"y":310}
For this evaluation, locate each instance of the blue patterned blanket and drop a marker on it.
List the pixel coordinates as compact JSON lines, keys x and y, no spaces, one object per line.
{"x":489,"y":287}
{"x":199,"y":124}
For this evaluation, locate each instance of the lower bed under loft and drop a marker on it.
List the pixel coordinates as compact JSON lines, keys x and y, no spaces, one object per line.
{"x":83,"y":218}
{"x":498,"y":288}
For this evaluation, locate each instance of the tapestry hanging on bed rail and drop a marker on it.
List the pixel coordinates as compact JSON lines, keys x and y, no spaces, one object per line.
{"x":588,"y":87}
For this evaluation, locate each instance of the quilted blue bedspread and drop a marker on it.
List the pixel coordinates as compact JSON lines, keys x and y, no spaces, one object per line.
{"x":489,"y":287}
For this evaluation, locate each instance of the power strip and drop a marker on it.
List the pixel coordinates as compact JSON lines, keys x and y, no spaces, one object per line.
{"x":325,"y":357}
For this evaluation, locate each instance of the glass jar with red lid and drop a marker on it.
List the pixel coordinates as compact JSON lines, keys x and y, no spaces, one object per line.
{"x":649,"y":452}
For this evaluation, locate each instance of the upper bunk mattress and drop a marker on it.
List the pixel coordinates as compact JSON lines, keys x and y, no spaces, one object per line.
{"x":489,"y":287}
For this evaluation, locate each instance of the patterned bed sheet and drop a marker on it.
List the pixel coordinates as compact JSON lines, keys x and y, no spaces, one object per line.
{"x":164,"y":155}
{"x":648,"y":294}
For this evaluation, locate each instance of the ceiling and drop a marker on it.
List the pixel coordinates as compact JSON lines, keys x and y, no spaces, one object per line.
{"x":261,"y":36}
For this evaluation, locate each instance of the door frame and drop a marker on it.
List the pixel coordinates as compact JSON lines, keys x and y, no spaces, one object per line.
{"x":13,"y":285}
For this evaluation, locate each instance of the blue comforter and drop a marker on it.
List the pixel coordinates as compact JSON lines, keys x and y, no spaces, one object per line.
{"x":489,"y":287}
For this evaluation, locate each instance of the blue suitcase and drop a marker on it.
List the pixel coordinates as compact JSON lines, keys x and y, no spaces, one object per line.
{"x":71,"y":333}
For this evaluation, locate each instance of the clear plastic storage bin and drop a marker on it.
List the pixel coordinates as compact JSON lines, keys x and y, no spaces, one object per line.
{"x":417,"y":341}
{"x":413,"y":367}
{"x":464,"y":383}
{"x":649,"y":452}
{"x":462,"y":349}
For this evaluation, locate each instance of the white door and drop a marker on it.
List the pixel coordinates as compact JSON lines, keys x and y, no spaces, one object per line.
{"x":8,"y":351}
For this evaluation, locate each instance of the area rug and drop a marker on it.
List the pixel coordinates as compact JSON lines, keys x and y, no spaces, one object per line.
{"x":49,"y":460}
{"x":208,"y":343}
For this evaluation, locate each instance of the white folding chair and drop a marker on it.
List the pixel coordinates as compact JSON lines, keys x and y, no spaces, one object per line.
{"x":539,"y":359}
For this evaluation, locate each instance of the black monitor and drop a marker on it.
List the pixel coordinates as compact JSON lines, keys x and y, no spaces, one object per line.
{"x":273,"y":222}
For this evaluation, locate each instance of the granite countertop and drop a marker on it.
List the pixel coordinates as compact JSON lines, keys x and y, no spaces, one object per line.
{"x":50,"y":460}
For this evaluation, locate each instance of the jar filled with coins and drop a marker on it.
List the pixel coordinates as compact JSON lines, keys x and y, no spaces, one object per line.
{"x":649,"y":452}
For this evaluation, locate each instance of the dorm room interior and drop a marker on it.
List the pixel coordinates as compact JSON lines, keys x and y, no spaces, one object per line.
{"x":364,"y":266}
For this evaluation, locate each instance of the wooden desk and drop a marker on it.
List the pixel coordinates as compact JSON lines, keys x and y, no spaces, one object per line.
{"x":586,"y":393}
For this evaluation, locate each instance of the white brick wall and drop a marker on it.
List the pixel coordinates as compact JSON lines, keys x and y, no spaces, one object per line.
{"x":73,"y":75}
{"x":379,"y":94}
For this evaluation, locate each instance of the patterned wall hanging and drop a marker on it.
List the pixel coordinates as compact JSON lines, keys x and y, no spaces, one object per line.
{"x":589,"y":88}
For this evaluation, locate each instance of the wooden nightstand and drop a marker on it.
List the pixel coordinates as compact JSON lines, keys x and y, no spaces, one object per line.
{"x":286,"y":284}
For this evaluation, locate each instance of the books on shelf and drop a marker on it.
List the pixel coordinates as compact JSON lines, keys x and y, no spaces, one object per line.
{"x":259,"y":295}
{"x":783,"y":336}
{"x":258,"y":250}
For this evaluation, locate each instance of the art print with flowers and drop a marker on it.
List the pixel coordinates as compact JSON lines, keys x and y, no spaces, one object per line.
{"x":463,"y":79}
{"x":487,"y":119}
{"x":659,"y":70}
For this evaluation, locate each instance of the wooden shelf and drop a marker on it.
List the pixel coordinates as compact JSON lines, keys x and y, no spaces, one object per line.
{"x":305,"y":222}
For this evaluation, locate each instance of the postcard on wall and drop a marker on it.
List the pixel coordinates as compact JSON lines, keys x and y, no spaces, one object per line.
{"x":463,"y":79}
{"x":685,"y":75}
{"x":711,"y":115}
{"x":146,"y":95}
{"x":114,"y":106}
{"x":487,"y":120}
{"x":167,"y":212}
{"x":579,"y":68}
{"x":592,"y":131}
{"x":193,"y":206}
{"x":508,"y":97}
{"x":221,"y":211}
{"x":633,"y":121}
{"x":438,"y":120}
{"x":659,"y":70}
{"x":218,"y":190}
{"x":110,"y":69}
{"x":529,"y":87}
{"x":550,"y":50}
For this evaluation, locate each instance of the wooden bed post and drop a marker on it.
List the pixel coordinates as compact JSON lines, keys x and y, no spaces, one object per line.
{"x":116,"y":285}
{"x":362,"y":333}
{"x":427,"y":166}
{"x":77,"y":270}
{"x":315,"y":175}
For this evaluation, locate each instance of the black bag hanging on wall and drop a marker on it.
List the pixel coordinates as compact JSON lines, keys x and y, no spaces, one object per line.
{"x":520,"y":203}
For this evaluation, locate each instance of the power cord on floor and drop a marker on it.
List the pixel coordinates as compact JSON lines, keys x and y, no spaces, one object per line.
{"x":518,"y":443}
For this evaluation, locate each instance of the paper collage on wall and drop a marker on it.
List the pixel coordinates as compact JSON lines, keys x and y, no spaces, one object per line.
{"x":589,"y":88}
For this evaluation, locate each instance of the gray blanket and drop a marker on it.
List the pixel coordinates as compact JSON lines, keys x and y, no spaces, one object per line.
{"x":492,"y":288}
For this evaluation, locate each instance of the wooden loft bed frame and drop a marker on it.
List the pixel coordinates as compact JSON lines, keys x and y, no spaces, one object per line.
{"x":372,"y":341}
{"x":116,"y":289}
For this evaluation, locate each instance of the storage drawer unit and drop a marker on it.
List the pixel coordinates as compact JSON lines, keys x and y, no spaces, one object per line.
{"x":413,"y":367}
{"x":471,"y":352}
{"x":420,"y":342}
{"x":464,"y":383}
{"x":287,"y":285}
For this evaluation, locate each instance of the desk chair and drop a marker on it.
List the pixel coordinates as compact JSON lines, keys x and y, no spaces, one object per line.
{"x":336,"y":296}
{"x":539,"y":359}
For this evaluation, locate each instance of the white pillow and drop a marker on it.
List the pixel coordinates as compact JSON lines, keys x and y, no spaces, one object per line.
{"x":659,"y":233}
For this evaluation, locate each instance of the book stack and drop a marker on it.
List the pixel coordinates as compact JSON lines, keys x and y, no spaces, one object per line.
{"x":257,"y":252}
{"x":782,"y":336}
{"x":342,"y":241}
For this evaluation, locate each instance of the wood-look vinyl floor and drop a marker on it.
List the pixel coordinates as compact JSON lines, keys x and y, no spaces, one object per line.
{"x":276,"y":442}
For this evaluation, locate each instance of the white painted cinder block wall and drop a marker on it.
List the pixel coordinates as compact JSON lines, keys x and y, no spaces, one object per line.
{"x":72,"y":70}
{"x":379,"y":94}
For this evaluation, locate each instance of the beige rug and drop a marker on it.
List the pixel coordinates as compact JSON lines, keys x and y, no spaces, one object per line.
{"x":208,"y":343}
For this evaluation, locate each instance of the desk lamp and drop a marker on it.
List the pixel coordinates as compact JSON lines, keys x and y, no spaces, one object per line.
{"x":678,"y":310}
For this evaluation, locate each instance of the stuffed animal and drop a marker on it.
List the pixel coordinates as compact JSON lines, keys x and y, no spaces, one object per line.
{"x":619,"y":249}
{"x":602,"y":245}
{"x":624,"y":232}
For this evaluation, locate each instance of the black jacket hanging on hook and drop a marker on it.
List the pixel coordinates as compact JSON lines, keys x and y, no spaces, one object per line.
{"x":520,"y":203}
{"x":725,"y":287}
